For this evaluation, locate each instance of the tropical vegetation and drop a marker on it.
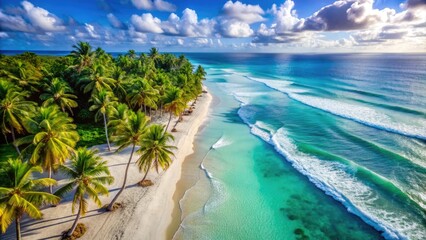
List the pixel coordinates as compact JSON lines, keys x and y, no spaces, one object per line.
{"x":49,"y":112}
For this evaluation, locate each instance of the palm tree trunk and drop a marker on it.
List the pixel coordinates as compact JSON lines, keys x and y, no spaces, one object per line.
{"x":13,"y":138}
{"x":106,"y":132}
{"x":177,"y":121}
{"x":74,"y":225}
{"x":144,"y":108}
{"x":50,"y":176}
{"x":18,"y":228}
{"x":168,"y":123}
{"x":146,"y":174}
{"x":111,"y":205}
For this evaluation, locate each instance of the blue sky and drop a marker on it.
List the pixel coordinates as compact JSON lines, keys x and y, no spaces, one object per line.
{"x":206,"y":25}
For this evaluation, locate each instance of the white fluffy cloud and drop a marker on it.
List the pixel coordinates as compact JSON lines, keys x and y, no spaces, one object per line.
{"x":243,"y":12}
{"x":236,"y":18}
{"x":159,"y":5}
{"x":146,"y":23}
{"x":42,"y":19}
{"x":188,"y":25}
{"x":235,"y":29}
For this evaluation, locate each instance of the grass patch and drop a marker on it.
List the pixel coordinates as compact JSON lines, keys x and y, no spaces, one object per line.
{"x":7,"y":151}
{"x":90,"y":135}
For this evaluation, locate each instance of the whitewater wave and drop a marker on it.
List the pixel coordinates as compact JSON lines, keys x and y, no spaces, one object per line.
{"x":338,"y":181}
{"x":360,"y":114}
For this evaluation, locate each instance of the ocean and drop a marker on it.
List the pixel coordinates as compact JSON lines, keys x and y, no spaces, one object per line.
{"x":326,"y":146}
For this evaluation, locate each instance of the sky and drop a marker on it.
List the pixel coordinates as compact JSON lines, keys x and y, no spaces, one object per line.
{"x":290,"y":26}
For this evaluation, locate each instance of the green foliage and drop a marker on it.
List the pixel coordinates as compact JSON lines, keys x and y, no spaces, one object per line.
{"x":40,"y":94}
{"x":20,"y":194}
{"x":7,"y":151}
{"x":90,"y":135}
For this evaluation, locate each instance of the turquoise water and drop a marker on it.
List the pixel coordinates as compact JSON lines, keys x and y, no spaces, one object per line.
{"x":311,"y":147}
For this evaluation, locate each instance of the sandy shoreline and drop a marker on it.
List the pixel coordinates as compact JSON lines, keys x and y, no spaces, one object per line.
{"x":148,"y":211}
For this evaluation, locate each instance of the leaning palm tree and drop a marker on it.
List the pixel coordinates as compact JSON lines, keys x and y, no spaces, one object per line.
{"x":155,"y":151}
{"x":174,"y":103}
{"x":103,"y":102}
{"x":83,"y":56}
{"x":14,"y":109}
{"x":119,"y":114}
{"x":129,"y":133}
{"x":52,"y":138}
{"x":20,"y":194}
{"x":59,"y":92}
{"x":88,"y":175}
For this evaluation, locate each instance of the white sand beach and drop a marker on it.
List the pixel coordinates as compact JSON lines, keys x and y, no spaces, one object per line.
{"x":147,"y":212}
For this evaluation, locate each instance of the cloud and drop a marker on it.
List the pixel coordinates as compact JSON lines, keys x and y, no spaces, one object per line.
{"x":282,"y":29}
{"x":41,"y":18}
{"x":346,"y":15}
{"x":415,"y":3}
{"x":146,"y":23}
{"x":159,"y":5}
{"x":243,"y":12}
{"x":91,"y":30}
{"x":235,"y":19}
{"x":4,"y":35}
{"x":115,"y":22}
{"x":235,"y":29}
{"x":143,"y":4}
{"x":13,"y":23}
{"x":188,"y":25}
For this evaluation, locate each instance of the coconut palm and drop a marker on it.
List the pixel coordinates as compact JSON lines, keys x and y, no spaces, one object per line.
{"x":174,"y":103}
{"x":88,"y":175}
{"x":83,"y":56}
{"x":103,"y":102}
{"x":143,"y":95}
{"x":14,"y":109}
{"x":153,"y":53}
{"x":96,"y":80}
{"x":20,"y":194}
{"x":23,"y":74}
{"x":119,"y":114}
{"x":52,"y":138}
{"x":59,"y":92}
{"x":155,"y":151}
{"x":121,"y":80}
{"x":129,"y":133}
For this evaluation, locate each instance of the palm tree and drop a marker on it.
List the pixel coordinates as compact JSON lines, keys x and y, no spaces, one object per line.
{"x":88,"y":175}
{"x":153,"y":53}
{"x":83,"y":56}
{"x":154,"y":150}
{"x":129,"y":133}
{"x":174,"y":103}
{"x":96,"y":80}
{"x":143,"y":95}
{"x":121,"y":80}
{"x":103,"y":102}
{"x":119,"y":114}
{"x":52,"y":138}
{"x":14,"y":109}
{"x":20,"y":194}
{"x":59,"y":92}
{"x":24,"y":75}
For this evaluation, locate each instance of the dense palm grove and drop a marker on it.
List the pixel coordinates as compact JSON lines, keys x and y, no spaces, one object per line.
{"x":43,"y":100}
